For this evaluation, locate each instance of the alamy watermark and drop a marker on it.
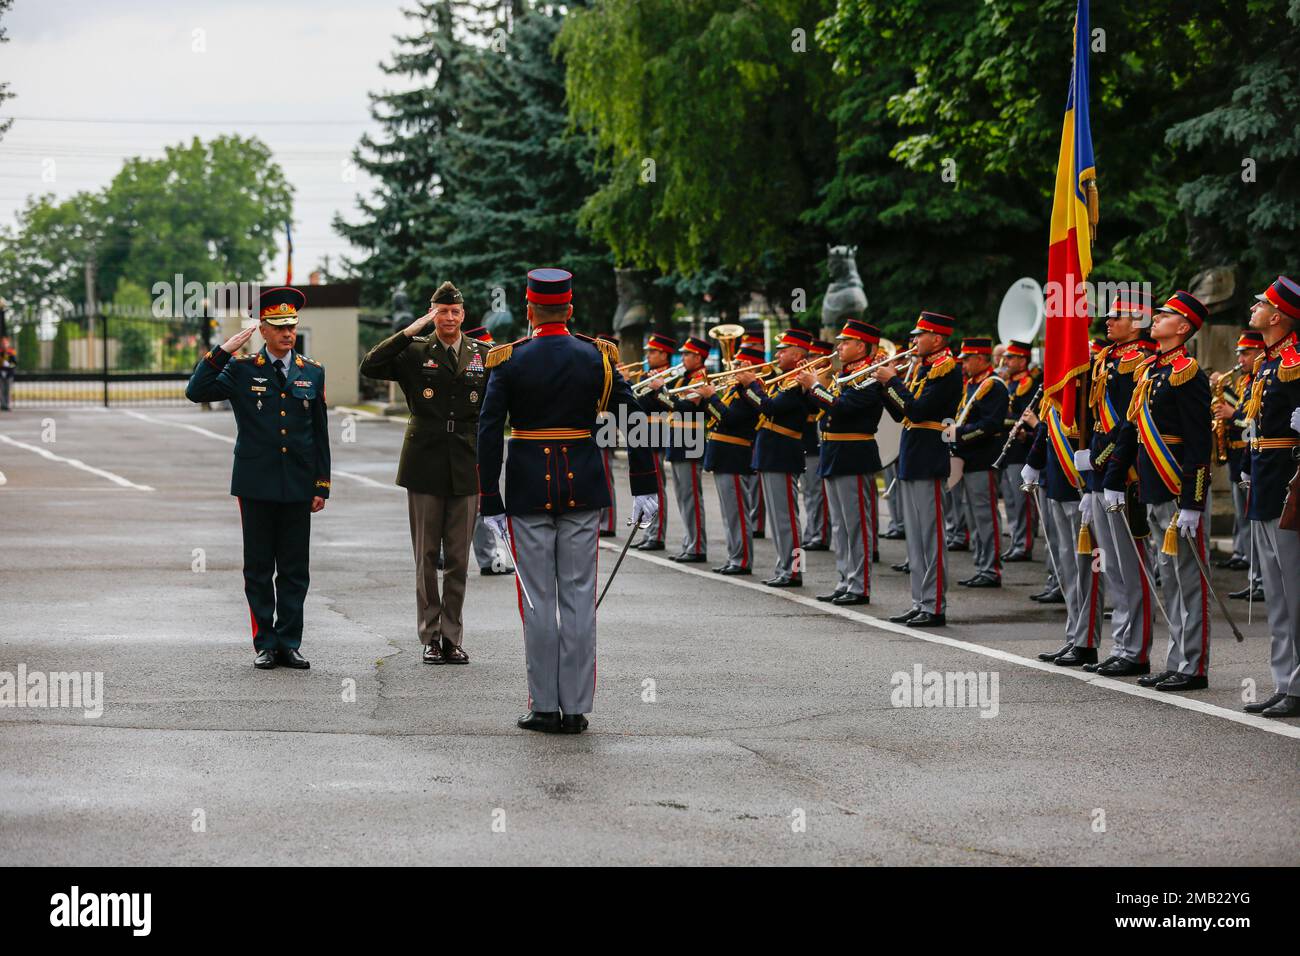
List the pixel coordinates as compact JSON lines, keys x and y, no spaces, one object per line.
{"x":683,"y":430}
{"x":946,"y":689}
{"x":74,"y":689}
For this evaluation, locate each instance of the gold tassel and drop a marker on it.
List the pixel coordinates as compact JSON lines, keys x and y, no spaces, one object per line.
{"x":1084,"y":545}
{"x":1185,"y":374}
{"x":1289,"y":370}
{"x":1094,"y":209}
{"x":499,"y":354}
{"x":1171,"y":537}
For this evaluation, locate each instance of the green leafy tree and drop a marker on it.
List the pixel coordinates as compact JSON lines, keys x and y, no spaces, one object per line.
{"x":29,"y":346}
{"x":61,"y":354}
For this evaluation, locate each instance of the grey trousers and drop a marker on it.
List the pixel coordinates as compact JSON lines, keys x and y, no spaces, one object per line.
{"x":816,"y":514}
{"x":1020,"y":515}
{"x":954,"y":510}
{"x":1279,"y":553}
{"x":1241,"y":535}
{"x":1130,"y":594}
{"x":852,"y":507}
{"x":6,"y":384}
{"x":1186,"y":600}
{"x":488,"y":549}
{"x":895,"y":507}
{"x":657,"y":530}
{"x":781,"y":501}
{"x":735,"y":518}
{"x":609,"y":516}
{"x":557,"y":564}
{"x":981,"y":494}
{"x":1081,"y":587}
{"x":687,"y":476}
{"x":922,"y":505}
{"x":443,"y":524}
{"x":754,"y":503}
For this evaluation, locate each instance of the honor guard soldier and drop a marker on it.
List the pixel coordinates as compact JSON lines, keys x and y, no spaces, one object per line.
{"x":929,"y":395}
{"x":728,"y":454}
{"x":608,"y":516}
{"x":489,"y":551}
{"x":1228,"y":394}
{"x":849,"y":459}
{"x":552,"y":386}
{"x":778,"y":453}
{"x":977,"y":439}
{"x":1274,"y":409}
{"x":756,"y":340}
{"x":816,"y":513}
{"x":1125,"y":571}
{"x":659,"y":352}
{"x":687,"y":423}
{"x":1020,"y":514}
{"x":1168,"y":436}
{"x":281,"y":475}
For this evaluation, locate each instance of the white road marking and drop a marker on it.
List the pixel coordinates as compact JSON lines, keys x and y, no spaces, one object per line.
{"x":1110,"y":683}
{"x":363,"y":479}
{"x":75,"y":463}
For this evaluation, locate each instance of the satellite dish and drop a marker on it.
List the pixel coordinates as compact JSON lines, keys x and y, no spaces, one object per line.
{"x":1021,"y":314}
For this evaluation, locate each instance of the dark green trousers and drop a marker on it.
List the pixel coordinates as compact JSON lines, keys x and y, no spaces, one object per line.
{"x":276,"y":539}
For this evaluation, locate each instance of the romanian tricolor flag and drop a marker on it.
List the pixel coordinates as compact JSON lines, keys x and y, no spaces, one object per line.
{"x":288,"y":262}
{"x":1069,"y":256}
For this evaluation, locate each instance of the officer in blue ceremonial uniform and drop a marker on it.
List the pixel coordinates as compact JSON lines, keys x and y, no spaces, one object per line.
{"x":660,"y":350}
{"x":281,"y":475}
{"x":1231,"y":448}
{"x":609,"y":516}
{"x":1020,"y":514}
{"x":686,"y":423}
{"x":816,"y":511}
{"x":552,"y":386}
{"x":978,"y":441}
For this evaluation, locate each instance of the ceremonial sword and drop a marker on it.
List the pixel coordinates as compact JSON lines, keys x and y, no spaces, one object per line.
{"x":1205,"y":575}
{"x":1122,"y":510}
{"x":1032,"y":487}
{"x":621,"y":554}
{"x":519,"y":576}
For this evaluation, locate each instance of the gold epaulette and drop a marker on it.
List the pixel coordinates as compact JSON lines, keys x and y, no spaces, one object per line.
{"x":501,"y":353}
{"x":1259,"y":360}
{"x":1025,"y":385}
{"x":1131,"y":360}
{"x":608,"y":348}
{"x":940,"y":369}
{"x":1183,"y":370}
{"x":1289,"y":369}
{"x":244,"y":358}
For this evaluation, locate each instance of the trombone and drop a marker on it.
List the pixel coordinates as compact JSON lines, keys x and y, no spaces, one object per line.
{"x":853,"y":377}
{"x":728,"y":374}
{"x":811,"y":365}
{"x":655,"y":379}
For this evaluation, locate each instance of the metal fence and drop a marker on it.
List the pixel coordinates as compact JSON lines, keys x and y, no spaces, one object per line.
{"x":112,"y":355}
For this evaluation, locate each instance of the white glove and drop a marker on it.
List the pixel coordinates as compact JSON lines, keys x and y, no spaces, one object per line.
{"x":1085,"y":508}
{"x":645,"y":508}
{"x":1295,"y":420}
{"x":498,"y":525}
{"x":1029,"y":475}
{"x":1083,"y":459}
{"x":1114,"y":499}
{"x":1188,"y":523}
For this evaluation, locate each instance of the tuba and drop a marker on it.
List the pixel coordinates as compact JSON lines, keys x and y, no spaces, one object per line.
{"x":727,"y":336}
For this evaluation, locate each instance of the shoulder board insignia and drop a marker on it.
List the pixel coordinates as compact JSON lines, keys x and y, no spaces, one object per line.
{"x":1289,"y":369}
{"x":609,"y":349}
{"x":1025,"y":385}
{"x":312,"y":361}
{"x":244,"y":358}
{"x":1131,"y":360}
{"x":501,"y":353}
{"x":260,"y":359}
{"x":1182,"y":370}
{"x":940,"y":369}
{"x":297,"y":360}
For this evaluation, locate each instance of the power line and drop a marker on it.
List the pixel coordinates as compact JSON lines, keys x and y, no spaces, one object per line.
{"x":133,"y":121}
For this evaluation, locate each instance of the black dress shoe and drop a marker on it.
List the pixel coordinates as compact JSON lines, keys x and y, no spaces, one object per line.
{"x":906,"y":616}
{"x":759,"y":535}
{"x":573,"y":724}
{"x":819,"y":546}
{"x":832,"y":596}
{"x":1152,"y":679}
{"x":451,"y":654}
{"x":1053,"y":596}
{"x":875,"y":558}
{"x":1288,"y":706}
{"x":609,"y":534}
{"x":265,"y":660}
{"x":1076,"y":656}
{"x":1121,"y":667}
{"x":793,"y":581}
{"x":1183,"y":682}
{"x":1095,"y":666}
{"x":432,"y":654}
{"x":1244,"y":594}
{"x":545,"y":721}
{"x":984,"y":581}
{"x":651,"y":545}
{"x":291,"y":658}
{"x":926,"y":619}
{"x":1050,"y":656}
{"x":903,"y":567}
{"x":690,"y":558}
{"x":735,"y":569}
{"x":490,"y":570}
{"x":1262,"y":705}
{"x":894,"y":536}
{"x":849,"y":599}
{"x":965,"y":581}
{"x":959,"y":546}
{"x":1015,"y":557}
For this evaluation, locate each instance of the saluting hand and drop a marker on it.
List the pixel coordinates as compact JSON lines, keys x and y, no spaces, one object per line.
{"x":416,"y":327}
{"x":236,"y":341}
{"x":317,"y":504}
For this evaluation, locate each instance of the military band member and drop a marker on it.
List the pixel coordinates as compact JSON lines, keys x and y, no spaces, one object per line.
{"x":978,"y":441}
{"x":443,"y":376}
{"x":1274,"y":409}
{"x":895,"y":531}
{"x":660,"y":350}
{"x":1051,"y":463}
{"x":8,"y":371}
{"x":849,"y":459}
{"x":1230,"y":424}
{"x":929,"y":395}
{"x":778,"y":453}
{"x":551,"y":386}
{"x":1020,"y":514}
{"x":729,"y":454}
{"x":1168,"y":437}
{"x":489,"y":551}
{"x":281,"y":475}
{"x":816,"y":513}
{"x":753,"y":492}
{"x":609,"y":516}
{"x":1113,"y":376}
{"x":688,"y":420}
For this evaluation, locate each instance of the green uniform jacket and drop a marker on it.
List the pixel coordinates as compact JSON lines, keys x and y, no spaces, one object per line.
{"x":282,"y":452}
{"x":440,"y":453}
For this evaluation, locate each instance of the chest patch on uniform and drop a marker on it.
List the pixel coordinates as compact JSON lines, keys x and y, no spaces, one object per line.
{"x":258,"y":388}
{"x":256,"y":379}
{"x":430,"y":363}
{"x":302,"y":384}
{"x":428,"y":393}
{"x":475,"y":364}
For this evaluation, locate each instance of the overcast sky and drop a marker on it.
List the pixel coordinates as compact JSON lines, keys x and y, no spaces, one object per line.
{"x":98,"y":81}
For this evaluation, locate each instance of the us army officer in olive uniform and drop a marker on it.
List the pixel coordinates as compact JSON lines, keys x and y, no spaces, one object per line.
{"x":282,"y":466}
{"x":443,"y":377}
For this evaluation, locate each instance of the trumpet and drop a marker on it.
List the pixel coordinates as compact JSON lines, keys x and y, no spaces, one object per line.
{"x":654,"y":379}
{"x":809,"y":366}
{"x":728,"y":374}
{"x":853,"y":377}
{"x":627,"y":367}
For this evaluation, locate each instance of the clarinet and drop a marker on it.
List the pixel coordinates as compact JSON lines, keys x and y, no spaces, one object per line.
{"x":1006,"y":449}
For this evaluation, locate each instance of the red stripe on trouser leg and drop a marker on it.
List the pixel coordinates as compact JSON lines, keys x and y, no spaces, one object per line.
{"x":793,"y":510}
{"x":875,"y":518}
{"x":1092,"y":605}
{"x":997,"y":525}
{"x":866,"y":540}
{"x":825,"y":516}
{"x":663,"y":499}
{"x":595,"y":603}
{"x":251,"y":619}
{"x":608,"y":457}
{"x":1145,"y":653}
{"x":699,"y":509}
{"x":519,"y":595}
{"x":1029,"y":523}
{"x":1202,"y":665}
{"x":744,"y":521}
{"x":938,"y":534}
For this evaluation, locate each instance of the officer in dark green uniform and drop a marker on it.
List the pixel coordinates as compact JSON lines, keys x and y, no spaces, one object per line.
{"x":281,"y":475}
{"x":444,"y":378}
